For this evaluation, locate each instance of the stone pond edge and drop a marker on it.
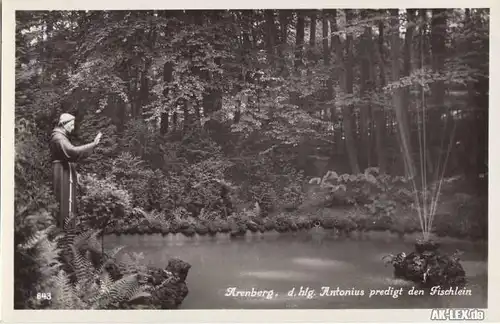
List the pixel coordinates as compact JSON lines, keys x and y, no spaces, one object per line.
{"x":191,"y":234}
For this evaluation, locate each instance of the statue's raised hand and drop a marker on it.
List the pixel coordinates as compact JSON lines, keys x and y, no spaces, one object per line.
{"x":97,"y":139}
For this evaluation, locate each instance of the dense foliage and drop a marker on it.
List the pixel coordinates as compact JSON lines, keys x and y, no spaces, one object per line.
{"x":214,"y":117}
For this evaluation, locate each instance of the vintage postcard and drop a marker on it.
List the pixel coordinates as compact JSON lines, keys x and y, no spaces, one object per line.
{"x":248,"y":162}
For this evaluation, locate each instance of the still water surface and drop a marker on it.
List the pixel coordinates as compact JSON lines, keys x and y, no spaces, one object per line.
{"x":277,"y":264}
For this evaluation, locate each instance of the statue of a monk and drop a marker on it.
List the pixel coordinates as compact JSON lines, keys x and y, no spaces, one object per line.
{"x":64,"y":156}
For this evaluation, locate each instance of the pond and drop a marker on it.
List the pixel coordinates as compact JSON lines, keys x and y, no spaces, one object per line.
{"x":274,"y":264}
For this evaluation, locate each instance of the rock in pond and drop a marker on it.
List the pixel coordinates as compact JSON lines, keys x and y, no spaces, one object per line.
{"x":428,"y":266}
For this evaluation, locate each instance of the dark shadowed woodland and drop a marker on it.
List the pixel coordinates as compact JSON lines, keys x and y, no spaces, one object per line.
{"x":234,"y":121}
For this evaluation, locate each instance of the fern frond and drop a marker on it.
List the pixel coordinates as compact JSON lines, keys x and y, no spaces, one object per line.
{"x":114,"y":252}
{"x":131,"y":263}
{"x":83,"y":267}
{"x":66,"y":240}
{"x":47,"y":258}
{"x":36,"y":238}
{"x":48,"y":251}
{"x":126,"y":268}
{"x":110,"y":257}
{"x":64,"y":294}
{"x":106,"y":282}
{"x":65,"y":244}
{"x":120,"y":291}
{"x":86,"y":292}
{"x":69,"y":222}
{"x":124,"y":289}
{"x":82,"y":238}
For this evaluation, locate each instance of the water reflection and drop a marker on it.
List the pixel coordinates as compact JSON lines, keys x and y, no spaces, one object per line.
{"x":322,"y":263}
{"x":277,"y":275}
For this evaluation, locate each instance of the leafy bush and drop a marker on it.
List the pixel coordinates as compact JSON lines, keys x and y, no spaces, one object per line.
{"x":196,"y":186}
{"x":144,"y":185}
{"x":102,"y":201}
{"x":271,"y":181}
{"x":380,"y":194}
{"x":199,"y":186}
{"x":265,"y":195}
{"x":291,"y":193}
{"x":32,"y":169}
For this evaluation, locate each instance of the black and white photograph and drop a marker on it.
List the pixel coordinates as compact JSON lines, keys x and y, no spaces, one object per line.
{"x":251,"y":159}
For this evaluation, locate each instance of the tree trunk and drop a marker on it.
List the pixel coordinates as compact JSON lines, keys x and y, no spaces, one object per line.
{"x":311,"y":57}
{"x":245,"y":52}
{"x":187,"y":122}
{"x":423,"y":56}
{"x":144,"y":92}
{"x":312,"y":36}
{"x":372,"y":88}
{"x":348,"y":109}
{"x":467,"y":48}
{"x":284,"y":16}
{"x":438,"y":45}
{"x":338,"y":76}
{"x":212,"y":97}
{"x":168,"y":70}
{"x":380,"y":120}
{"x":326,"y":61}
{"x":410,"y":27}
{"x":364,"y":153}
{"x":271,"y":36}
{"x":402,"y":124}
{"x":148,"y":61}
{"x":326,"y":49}
{"x":134,"y":96}
{"x":299,"y":40}
{"x":174,"y":119}
{"x":299,"y":52}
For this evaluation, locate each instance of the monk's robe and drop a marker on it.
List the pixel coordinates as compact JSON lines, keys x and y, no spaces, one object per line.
{"x":64,"y":177}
